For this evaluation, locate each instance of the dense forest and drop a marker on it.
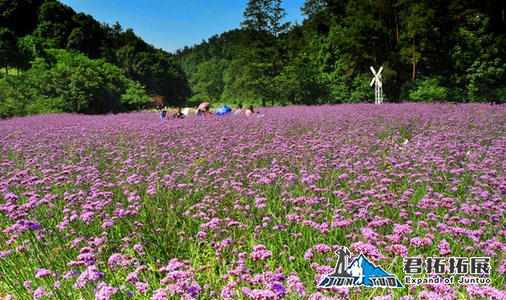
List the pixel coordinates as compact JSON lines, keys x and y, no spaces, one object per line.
{"x":431,"y":50}
{"x":56,"y":60}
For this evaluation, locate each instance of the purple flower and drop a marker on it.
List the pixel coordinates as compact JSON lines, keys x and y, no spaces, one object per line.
{"x":141,"y":287}
{"x":41,"y":292}
{"x":400,"y":250}
{"x":263,"y":294}
{"x":193,"y":290}
{"x":34,"y":226}
{"x":90,"y":274}
{"x":308,"y":255}
{"x":159,"y":294}
{"x":279,"y":289}
{"x":387,"y":178}
{"x":444,"y":247}
{"x":39,"y":273}
{"x":322,"y":248}
{"x":260,"y":253}
{"x":114,"y":260}
{"x":295,"y":284}
{"x":132,"y":277}
{"x":27,"y":283}
{"x":105,"y":291}
{"x":279,"y":226}
{"x":368,"y":250}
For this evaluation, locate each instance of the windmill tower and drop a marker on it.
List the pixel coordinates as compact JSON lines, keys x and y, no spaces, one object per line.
{"x":378,"y":86}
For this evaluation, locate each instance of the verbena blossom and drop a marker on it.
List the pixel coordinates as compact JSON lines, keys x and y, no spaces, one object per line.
{"x":392,"y":180}
{"x":39,"y":273}
{"x":141,"y":287}
{"x":444,"y":247}
{"x":105,"y":291}
{"x":260,"y":253}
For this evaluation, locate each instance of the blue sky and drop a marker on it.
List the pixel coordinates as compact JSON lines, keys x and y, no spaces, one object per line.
{"x":173,"y":24}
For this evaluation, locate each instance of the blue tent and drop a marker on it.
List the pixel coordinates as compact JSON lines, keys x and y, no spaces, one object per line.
{"x":223,"y":110}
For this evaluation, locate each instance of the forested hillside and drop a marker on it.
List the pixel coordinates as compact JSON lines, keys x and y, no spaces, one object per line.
{"x":53,"y":59}
{"x":431,"y":50}
{"x":56,"y":60}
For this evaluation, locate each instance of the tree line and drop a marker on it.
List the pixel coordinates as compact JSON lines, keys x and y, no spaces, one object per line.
{"x":53,"y":59}
{"x":431,"y":50}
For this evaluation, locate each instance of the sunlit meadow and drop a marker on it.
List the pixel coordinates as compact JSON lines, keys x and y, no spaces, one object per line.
{"x":130,"y":206}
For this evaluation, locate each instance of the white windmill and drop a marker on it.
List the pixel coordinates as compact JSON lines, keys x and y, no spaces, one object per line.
{"x":378,"y":86}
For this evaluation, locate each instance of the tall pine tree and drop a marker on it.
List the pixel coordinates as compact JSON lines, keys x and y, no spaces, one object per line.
{"x":261,"y":55}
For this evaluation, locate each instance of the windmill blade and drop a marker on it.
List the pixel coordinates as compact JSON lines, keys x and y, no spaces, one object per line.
{"x":379,"y":71}
{"x":373,"y":71}
{"x":373,"y":80}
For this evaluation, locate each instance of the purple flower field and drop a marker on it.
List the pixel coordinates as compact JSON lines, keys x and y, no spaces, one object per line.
{"x":130,"y":206}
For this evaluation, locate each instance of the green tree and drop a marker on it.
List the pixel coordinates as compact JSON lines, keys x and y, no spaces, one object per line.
{"x":366,"y":24}
{"x":87,"y":36}
{"x":208,"y":82}
{"x":34,"y":92}
{"x":168,"y":79}
{"x":429,"y":90}
{"x":311,"y":8}
{"x":75,"y":80}
{"x":416,"y":31}
{"x":248,"y":81}
{"x":20,"y":16}
{"x":12,"y":101}
{"x":29,"y":48}
{"x":55,"y":23}
{"x":261,"y":54}
{"x":158,"y":71}
{"x":8,"y":48}
{"x":112,"y":42}
{"x":75,"y":83}
{"x":305,"y":84}
{"x":478,"y":56}
{"x":135,"y":96}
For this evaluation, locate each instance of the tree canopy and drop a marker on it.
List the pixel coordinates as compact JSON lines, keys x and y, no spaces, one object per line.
{"x":54,"y":59}
{"x":443,"y":50}
{"x":69,"y":62}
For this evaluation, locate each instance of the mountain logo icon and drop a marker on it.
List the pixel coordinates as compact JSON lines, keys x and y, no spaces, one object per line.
{"x":360,"y":272}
